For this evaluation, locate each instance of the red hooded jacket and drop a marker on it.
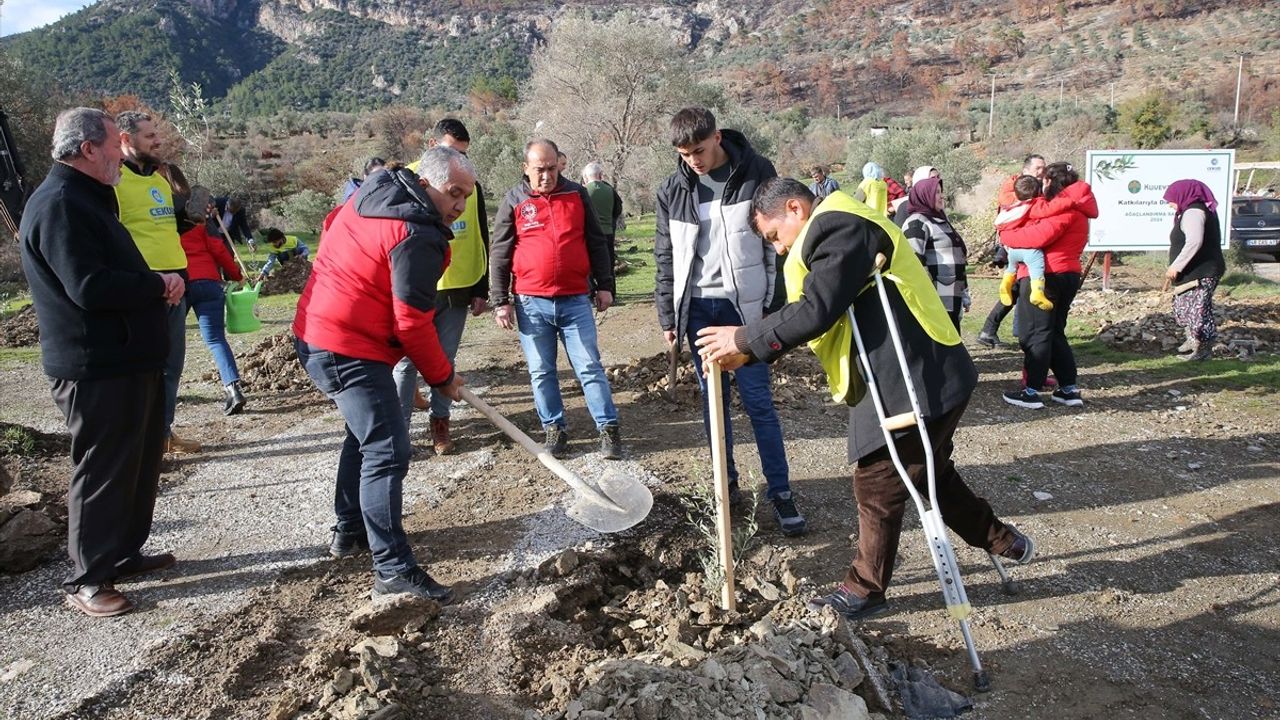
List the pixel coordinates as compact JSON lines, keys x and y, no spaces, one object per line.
{"x":206,"y":254}
{"x":372,"y":291}
{"x":1059,"y":227}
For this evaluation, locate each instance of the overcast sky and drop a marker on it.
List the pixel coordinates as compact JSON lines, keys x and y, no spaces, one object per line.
{"x":21,"y":15}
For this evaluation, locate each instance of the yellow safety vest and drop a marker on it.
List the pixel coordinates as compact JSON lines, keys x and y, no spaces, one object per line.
{"x":468,"y":261}
{"x":877,"y":194}
{"x":834,"y":348}
{"x":146,"y":210}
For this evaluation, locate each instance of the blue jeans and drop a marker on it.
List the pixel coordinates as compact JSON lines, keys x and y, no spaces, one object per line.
{"x":375,"y":454}
{"x":208,"y":300}
{"x":1033,"y":259}
{"x":756,"y":394}
{"x":177,"y":328}
{"x":450,"y":322}
{"x":543,"y":321}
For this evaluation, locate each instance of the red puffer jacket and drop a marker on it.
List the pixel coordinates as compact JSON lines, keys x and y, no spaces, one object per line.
{"x":372,"y":291}
{"x":206,"y":255}
{"x":1059,"y":227}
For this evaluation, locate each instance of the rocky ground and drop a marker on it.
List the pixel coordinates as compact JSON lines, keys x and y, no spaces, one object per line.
{"x":1155,"y":592}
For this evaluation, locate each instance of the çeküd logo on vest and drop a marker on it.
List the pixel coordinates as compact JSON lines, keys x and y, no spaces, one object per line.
{"x":157,"y":196}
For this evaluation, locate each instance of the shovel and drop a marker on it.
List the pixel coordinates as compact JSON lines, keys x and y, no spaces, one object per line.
{"x":618,"y":502}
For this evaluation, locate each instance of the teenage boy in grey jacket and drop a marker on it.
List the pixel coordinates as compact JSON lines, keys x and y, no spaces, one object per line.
{"x":712,"y":270}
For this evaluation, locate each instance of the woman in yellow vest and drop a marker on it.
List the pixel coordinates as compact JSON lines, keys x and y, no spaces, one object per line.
{"x":825,"y":248}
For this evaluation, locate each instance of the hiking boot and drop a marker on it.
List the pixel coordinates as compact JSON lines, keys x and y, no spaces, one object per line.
{"x":611,"y":442}
{"x":414,"y":582}
{"x":992,"y":341}
{"x":440,"y":436}
{"x":1067,"y":397}
{"x":234,"y":403}
{"x":345,"y":545}
{"x":789,"y":518}
{"x":1188,"y":346}
{"x":849,"y":605}
{"x":420,"y":402}
{"x":736,"y":498}
{"x":177,"y":446}
{"x":557,"y":441}
{"x":1204,"y":351}
{"x":1022,"y":549}
{"x":1024,"y":398}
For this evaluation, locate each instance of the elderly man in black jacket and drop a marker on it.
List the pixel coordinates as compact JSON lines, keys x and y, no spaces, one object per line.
{"x":103,"y":345}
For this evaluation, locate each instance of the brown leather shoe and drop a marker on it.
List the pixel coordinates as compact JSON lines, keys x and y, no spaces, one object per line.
{"x":420,"y":402}
{"x":440,"y":436}
{"x":176,"y":445}
{"x":143,"y":564}
{"x":99,"y":601}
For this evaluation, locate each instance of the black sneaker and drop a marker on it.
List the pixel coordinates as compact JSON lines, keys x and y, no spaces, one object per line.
{"x":610,"y":443}
{"x":1024,"y":398}
{"x":344,"y":545}
{"x":789,"y":518}
{"x":414,"y":582}
{"x":991,"y":341}
{"x":1022,"y":549}
{"x":557,"y":442}
{"x":849,"y":605}
{"x":1068,"y":397}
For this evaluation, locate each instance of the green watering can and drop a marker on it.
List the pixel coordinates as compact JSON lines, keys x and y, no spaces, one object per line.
{"x":241,"y":317}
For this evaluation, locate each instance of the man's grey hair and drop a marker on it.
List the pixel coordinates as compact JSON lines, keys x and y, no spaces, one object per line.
{"x":593,"y":171}
{"x":76,"y":126}
{"x":436,"y":162}
{"x":129,"y":121}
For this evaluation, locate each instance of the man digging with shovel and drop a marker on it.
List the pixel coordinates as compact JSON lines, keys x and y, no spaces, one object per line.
{"x":369,"y":302}
{"x":831,"y":245}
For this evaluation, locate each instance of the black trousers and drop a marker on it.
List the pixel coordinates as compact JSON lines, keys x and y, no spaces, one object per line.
{"x":1043,"y":335}
{"x":117,"y":442}
{"x":998,"y":313}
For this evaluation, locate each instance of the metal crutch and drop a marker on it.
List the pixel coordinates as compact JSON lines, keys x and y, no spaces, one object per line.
{"x":944,"y":558}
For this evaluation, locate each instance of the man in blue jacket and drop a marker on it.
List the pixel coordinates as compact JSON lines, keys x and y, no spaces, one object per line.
{"x":103,"y":344}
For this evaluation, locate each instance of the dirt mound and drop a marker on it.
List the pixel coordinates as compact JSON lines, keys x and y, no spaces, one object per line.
{"x":273,"y":365}
{"x":290,"y":277}
{"x":798,"y":380}
{"x":32,"y":496}
{"x":20,"y":329}
{"x":1138,"y":321}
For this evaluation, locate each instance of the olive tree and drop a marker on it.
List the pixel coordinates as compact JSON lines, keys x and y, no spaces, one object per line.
{"x":605,"y":91}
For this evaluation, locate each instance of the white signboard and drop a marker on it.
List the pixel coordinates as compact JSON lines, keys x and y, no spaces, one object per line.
{"x":1130,"y":185}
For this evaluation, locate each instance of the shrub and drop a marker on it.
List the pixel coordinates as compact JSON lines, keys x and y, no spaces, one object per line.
{"x":304,"y":211}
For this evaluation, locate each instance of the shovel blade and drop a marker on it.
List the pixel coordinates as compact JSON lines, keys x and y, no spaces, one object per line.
{"x":629,"y":502}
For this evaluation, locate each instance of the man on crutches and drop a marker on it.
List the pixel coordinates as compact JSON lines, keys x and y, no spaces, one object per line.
{"x":833,"y":252}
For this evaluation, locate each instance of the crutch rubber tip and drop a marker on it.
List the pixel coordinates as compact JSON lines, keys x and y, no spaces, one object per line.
{"x":1010,"y":587}
{"x":981,"y":682}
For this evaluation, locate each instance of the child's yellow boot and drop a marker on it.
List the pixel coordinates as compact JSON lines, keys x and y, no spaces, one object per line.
{"x":1006,"y":288}
{"x":1038,"y":297}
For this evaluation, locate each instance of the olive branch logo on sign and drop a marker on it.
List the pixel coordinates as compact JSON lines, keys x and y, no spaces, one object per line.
{"x":1111,"y":169}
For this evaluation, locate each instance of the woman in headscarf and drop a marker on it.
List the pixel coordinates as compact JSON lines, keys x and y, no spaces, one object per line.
{"x":923,"y":172}
{"x":1195,"y":264}
{"x":938,"y":245}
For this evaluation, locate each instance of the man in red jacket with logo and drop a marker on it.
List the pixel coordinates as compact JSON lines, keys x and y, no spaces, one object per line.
{"x":369,"y":302}
{"x":547,"y":248}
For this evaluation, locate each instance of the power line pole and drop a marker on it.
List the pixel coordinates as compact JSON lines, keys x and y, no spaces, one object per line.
{"x":991,"y":114}
{"x":1239,"y":77}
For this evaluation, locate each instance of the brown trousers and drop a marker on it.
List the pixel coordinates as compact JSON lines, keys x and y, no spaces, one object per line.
{"x":882,"y":499}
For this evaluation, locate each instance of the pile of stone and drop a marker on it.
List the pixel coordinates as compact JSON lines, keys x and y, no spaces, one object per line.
{"x":20,"y":329}
{"x":1143,"y":322}
{"x":273,"y":365}
{"x":380,"y":676}
{"x":291,"y":277}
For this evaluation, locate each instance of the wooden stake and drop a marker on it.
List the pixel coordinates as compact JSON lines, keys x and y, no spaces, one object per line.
{"x":1106,"y":271}
{"x":720,"y":475}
